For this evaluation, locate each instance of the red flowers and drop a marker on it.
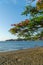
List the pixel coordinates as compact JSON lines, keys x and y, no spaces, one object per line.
{"x":20,"y":24}
{"x":27,"y":21}
{"x":24,"y":23}
{"x":39,"y":0}
{"x":13,"y":24}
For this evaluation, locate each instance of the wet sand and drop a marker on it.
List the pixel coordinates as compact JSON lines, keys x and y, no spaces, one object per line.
{"x":32,"y":56}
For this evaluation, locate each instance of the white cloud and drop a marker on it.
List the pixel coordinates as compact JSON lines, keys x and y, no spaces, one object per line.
{"x":8,"y":1}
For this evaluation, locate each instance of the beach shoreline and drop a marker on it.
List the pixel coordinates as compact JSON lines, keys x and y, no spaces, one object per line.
{"x":31,"y":56}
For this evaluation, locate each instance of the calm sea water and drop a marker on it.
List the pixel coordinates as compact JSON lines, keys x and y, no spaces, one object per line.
{"x":17,"y":45}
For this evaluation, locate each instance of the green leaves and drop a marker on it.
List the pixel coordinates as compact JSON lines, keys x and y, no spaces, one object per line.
{"x":30,"y":10}
{"x":27,"y":28}
{"x":39,"y":5}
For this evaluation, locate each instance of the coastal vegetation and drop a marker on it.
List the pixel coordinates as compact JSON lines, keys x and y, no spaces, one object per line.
{"x":32,"y":28}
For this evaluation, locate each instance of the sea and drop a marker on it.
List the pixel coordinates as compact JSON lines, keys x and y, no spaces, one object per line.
{"x":18,"y":45}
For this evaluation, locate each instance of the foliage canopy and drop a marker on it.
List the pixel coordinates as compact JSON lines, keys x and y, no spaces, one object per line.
{"x":29,"y":28}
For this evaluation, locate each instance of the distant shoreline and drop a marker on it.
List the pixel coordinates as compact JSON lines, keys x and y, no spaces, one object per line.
{"x":20,"y":40}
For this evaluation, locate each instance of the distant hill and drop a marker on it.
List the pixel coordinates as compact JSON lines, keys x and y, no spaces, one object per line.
{"x":15,"y":40}
{"x":20,"y":39}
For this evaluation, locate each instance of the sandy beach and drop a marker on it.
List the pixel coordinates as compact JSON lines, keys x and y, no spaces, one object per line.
{"x":33,"y":56}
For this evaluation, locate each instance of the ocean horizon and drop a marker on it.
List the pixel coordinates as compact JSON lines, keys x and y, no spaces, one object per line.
{"x":18,"y":45}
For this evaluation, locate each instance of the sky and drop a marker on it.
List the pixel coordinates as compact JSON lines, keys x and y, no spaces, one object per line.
{"x":10,"y":13}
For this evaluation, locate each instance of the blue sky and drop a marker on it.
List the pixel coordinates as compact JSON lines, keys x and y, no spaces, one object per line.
{"x":10,"y":12}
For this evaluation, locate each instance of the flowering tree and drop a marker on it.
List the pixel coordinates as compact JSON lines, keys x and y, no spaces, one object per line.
{"x":27,"y":28}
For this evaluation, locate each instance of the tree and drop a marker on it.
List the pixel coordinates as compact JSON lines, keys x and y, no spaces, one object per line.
{"x":26,"y":29}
